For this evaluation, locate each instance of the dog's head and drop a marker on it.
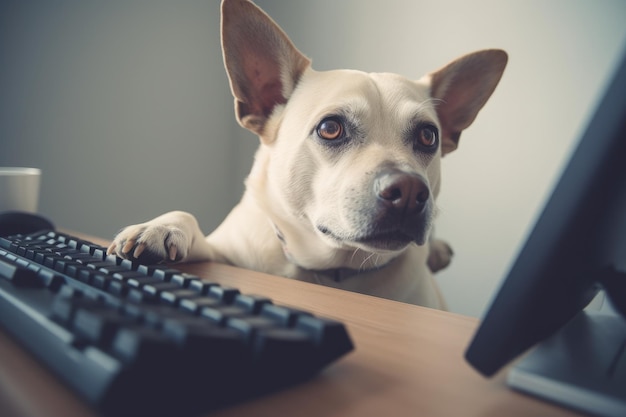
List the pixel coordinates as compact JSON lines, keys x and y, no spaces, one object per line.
{"x":351,"y":158}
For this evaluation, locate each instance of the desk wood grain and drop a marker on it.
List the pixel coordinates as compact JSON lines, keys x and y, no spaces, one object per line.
{"x":408,"y":361}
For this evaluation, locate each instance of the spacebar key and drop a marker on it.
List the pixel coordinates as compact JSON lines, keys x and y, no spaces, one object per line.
{"x":18,"y":275}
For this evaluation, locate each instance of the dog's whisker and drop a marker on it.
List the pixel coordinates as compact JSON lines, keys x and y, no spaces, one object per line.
{"x":367,"y":259}
{"x":354,"y":255}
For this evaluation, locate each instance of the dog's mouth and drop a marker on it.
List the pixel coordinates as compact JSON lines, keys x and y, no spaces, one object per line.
{"x":388,"y":240}
{"x":393,"y":240}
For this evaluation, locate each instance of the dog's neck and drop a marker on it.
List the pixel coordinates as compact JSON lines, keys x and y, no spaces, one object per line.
{"x":337,"y":274}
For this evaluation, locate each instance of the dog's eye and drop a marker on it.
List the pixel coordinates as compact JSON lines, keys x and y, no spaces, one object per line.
{"x":427,"y":136}
{"x":330,"y":129}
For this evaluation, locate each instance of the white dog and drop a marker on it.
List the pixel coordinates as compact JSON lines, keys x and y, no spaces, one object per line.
{"x":342,"y":190}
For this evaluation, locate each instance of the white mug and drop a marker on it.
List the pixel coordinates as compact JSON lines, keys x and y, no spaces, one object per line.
{"x":19,"y":189}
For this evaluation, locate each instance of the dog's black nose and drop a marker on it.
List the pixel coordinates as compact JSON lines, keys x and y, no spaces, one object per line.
{"x":401,"y":191}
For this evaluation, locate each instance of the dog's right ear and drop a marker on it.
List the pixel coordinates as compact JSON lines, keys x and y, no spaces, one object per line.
{"x":462,"y":88}
{"x":262,"y":63}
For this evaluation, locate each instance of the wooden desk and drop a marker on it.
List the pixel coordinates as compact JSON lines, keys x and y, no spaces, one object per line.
{"x":408,"y":361}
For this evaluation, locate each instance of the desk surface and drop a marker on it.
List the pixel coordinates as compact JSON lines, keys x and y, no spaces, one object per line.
{"x":408,"y":361}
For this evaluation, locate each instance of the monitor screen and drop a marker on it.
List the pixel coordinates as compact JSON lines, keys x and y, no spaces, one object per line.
{"x":577,"y":246}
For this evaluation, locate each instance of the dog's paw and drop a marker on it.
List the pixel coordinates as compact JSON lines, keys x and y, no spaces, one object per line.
{"x":151,"y":243}
{"x":440,"y":255}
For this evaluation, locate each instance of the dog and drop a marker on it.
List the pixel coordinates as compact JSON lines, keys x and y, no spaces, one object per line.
{"x":343,"y":186}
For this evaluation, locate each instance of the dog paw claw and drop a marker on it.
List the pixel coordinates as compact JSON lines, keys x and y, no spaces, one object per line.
{"x":138,"y":250}
{"x":128,"y":246}
{"x":172,"y":253}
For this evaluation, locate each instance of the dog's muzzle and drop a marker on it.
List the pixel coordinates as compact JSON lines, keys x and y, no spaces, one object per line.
{"x":399,"y":212}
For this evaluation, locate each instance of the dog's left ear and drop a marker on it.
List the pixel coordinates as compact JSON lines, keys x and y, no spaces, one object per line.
{"x":462,"y":88}
{"x":262,"y":63}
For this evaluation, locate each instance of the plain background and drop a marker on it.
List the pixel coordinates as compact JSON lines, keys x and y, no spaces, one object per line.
{"x":125,"y":107}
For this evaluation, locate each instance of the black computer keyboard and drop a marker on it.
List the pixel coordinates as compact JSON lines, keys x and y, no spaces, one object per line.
{"x":143,"y":340}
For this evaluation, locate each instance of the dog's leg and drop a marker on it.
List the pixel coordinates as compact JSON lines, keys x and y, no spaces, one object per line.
{"x":440,"y":255}
{"x":172,"y":237}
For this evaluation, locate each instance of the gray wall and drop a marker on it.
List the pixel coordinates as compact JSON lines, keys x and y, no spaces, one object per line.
{"x":126,"y":108}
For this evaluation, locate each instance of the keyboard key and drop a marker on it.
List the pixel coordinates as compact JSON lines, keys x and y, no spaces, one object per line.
{"x":252,"y":303}
{"x":157,"y":288}
{"x":173,"y":297}
{"x":74,"y":243}
{"x":62,"y":265}
{"x":18,"y":275}
{"x":130,"y":265}
{"x":51,"y":279}
{"x":319,"y":329}
{"x":284,"y":315}
{"x":224,"y":294}
{"x":201,"y":286}
{"x":139,"y":282}
{"x":98,"y":325}
{"x":86,"y":275}
{"x":164,"y":274}
{"x":249,"y":326}
{"x":87,"y":249}
{"x":67,"y":302}
{"x":147,"y":269}
{"x":330,"y":337}
{"x":119,"y":288}
{"x":51,"y":259}
{"x":142,"y":343}
{"x":5,"y":243}
{"x":22,"y":263}
{"x":101,"y":281}
{"x":110,"y":269}
{"x":221,"y":313}
{"x":113,"y":259}
{"x":30,"y":253}
{"x":137,"y":295}
{"x":124,"y":274}
{"x":98,"y":264}
{"x":155,"y":315}
{"x":183,"y":280}
{"x":82,"y":258}
{"x":194,"y":333}
{"x":282,"y":347}
{"x":98,"y":253}
{"x":195,"y":305}
{"x":40,"y":257}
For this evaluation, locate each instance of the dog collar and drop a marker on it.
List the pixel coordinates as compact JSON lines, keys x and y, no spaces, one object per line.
{"x":340,"y":274}
{"x":336,"y":274}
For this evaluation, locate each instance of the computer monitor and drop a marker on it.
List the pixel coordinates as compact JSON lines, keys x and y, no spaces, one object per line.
{"x":576,"y":248}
